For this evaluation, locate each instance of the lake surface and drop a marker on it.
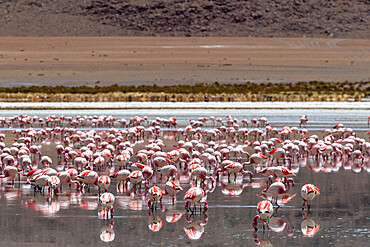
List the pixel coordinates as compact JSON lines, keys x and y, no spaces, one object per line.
{"x":339,"y":216}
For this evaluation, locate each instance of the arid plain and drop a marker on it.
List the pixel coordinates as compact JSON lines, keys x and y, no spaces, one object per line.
{"x":73,"y":61}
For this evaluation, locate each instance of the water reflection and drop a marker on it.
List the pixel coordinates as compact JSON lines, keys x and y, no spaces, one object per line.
{"x":261,"y":241}
{"x":155,"y":223}
{"x":279,"y":224}
{"x":173,"y":215}
{"x":309,"y":227}
{"x":195,"y":227}
{"x":107,"y":233}
{"x":232,"y":204}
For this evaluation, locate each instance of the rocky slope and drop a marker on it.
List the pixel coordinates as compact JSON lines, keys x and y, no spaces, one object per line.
{"x":237,"y":18}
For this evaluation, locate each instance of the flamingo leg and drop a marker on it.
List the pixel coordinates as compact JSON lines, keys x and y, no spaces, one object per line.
{"x":276,"y":202}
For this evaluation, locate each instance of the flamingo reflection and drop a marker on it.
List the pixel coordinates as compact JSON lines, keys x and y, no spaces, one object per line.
{"x":107,"y":233}
{"x":155,"y":223}
{"x":195,"y":227}
{"x":261,"y":242}
{"x":309,"y":227}
{"x":278,"y":224}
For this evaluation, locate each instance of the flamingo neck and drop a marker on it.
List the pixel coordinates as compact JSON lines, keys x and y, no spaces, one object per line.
{"x":287,"y":187}
{"x":248,"y":173}
{"x":254,"y":222}
{"x":304,"y":203}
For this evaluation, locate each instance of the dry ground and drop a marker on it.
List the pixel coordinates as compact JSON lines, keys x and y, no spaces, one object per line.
{"x":167,"y":61}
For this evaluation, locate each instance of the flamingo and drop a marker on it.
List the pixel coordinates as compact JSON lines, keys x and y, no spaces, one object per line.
{"x":277,"y":172}
{"x":201,"y":173}
{"x":303,"y":120}
{"x":168,"y":171}
{"x":136,"y":177}
{"x":32,"y":173}
{"x":49,"y":171}
{"x":104,"y":182}
{"x":46,"y":161}
{"x":278,"y":188}
{"x":195,"y":195}
{"x":122,"y":176}
{"x":264,"y":210}
{"x":10,"y":171}
{"x":88,"y":177}
{"x":172,"y":188}
{"x":107,"y":200}
{"x":235,"y":168}
{"x":278,"y":153}
{"x":40,"y":181}
{"x":65,"y":178}
{"x":264,"y":213}
{"x":54,"y":184}
{"x":155,"y":195}
{"x":308,"y":193}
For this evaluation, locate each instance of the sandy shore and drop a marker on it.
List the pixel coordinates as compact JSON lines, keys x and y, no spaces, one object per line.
{"x":167,"y":61}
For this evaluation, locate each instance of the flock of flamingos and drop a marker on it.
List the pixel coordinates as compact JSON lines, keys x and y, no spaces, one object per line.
{"x":91,"y":151}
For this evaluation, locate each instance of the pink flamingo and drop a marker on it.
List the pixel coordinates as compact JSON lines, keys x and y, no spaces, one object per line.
{"x":46,"y":161}
{"x":107,"y":200}
{"x":88,"y":177}
{"x":65,"y":178}
{"x":277,"y":172}
{"x":32,"y":173}
{"x":195,"y":195}
{"x":264,"y":213}
{"x":136,"y":177}
{"x":40,"y":181}
{"x":303,"y":120}
{"x":54,"y":184}
{"x":256,"y":158}
{"x":172,"y":188}
{"x":10,"y":171}
{"x":201,"y":174}
{"x":308,"y":193}
{"x":169,"y":171}
{"x":235,"y":168}
{"x":122,"y":176}
{"x":278,"y":188}
{"x":104,"y":182}
{"x":278,"y":153}
{"x":155,"y":195}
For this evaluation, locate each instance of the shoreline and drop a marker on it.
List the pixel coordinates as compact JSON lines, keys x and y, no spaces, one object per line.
{"x":185,"y":105}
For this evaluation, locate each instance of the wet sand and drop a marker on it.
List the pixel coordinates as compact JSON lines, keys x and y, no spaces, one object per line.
{"x":168,"y":61}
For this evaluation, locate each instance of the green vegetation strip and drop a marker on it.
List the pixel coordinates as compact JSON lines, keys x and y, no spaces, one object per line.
{"x":299,"y":91}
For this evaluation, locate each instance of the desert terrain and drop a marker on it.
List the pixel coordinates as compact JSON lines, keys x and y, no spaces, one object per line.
{"x":72,"y":61}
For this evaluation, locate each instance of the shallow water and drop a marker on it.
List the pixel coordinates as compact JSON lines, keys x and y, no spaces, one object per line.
{"x":279,"y":114}
{"x":340,"y":214}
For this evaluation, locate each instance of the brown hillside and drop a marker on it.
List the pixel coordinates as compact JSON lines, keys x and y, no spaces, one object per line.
{"x":255,"y":18}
